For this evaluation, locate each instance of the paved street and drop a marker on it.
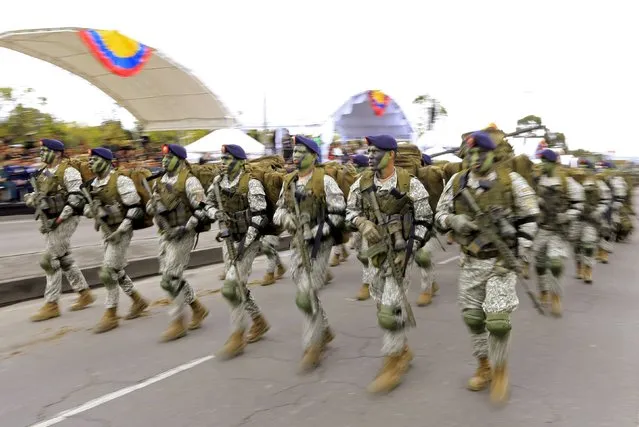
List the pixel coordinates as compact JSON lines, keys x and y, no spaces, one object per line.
{"x":578,"y":371}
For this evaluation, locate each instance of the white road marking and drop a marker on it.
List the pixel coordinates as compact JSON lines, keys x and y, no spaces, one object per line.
{"x":446,"y":261}
{"x":119,"y":393}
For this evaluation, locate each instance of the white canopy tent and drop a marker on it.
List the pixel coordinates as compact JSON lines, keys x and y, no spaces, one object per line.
{"x":367,"y":113}
{"x":212,"y":144}
{"x":158,"y":92}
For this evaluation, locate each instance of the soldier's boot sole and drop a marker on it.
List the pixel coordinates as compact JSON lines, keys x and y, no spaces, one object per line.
{"x":425,"y":298}
{"x":233,"y":347}
{"x":85,"y":299}
{"x":176,"y":330}
{"x":48,"y":311}
{"x":258,"y":329}
{"x":364,"y":293}
{"x":587,"y":277}
{"x":482,"y":377}
{"x":500,"y":387}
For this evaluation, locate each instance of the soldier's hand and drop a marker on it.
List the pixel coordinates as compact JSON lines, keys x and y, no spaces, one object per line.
{"x":87,"y":212}
{"x":400,"y":259}
{"x":289,"y":223}
{"x":462,"y":224}
{"x":175,"y":232}
{"x":369,"y":231}
{"x":29,"y":199}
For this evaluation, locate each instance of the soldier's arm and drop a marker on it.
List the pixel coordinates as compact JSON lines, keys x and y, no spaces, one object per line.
{"x":211,"y":198}
{"x":75,"y":199}
{"x":281,"y":211}
{"x":423,"y":214}
{"x":335,"y":203}
{"x":257,"y":207}
{"x":130,"y":199}
{"x":197,"y":199}
{"x":445,"y":207}
{"x":526,"y":209}
{"x":354,"y":205}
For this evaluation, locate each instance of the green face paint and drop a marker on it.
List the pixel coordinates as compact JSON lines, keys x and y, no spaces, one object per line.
{"x":378,"y":159}
{"x":98,"y":165}
{"x":548,"y":167}
{"x":47,"y":156}
{"x":232,"y":165}
{"x":170,"y":162}
{"x":302,"y":158}
{"x":481,"y":161}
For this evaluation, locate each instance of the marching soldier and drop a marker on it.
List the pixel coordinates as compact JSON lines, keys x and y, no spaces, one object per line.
{"x":487,"y":293}
{"x":390,"y":209}
{"x":59,"y":204}
{"x":117,"y":205}
{"x":429,"y":286}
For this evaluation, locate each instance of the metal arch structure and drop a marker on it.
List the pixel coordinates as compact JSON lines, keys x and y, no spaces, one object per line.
{"x":162,"y":95}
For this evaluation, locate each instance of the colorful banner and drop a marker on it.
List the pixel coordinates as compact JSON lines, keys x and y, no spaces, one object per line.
{"x":379,"y":101}
{"x":121,"y":55}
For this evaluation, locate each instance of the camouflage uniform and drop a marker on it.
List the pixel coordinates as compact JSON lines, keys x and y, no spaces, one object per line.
{"x":244,"y":211}
{"x":620,"y":192}
{"x":561,"y":201}
{"x":322,"y":202}
{"x":119,"y":206}
{"x":607,"y":222}
{"x":176,"y":200}
{"x":487,"y":291}
{"x":60,"y":188}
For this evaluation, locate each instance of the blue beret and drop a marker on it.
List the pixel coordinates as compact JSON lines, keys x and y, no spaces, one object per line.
{"x":235,"y":151}
{"x":52,"y":144}
{"x":383,"y":142}
{"x":308,"y":143}
{"x":426,"y":159}
{"x":482,"y":140}
{"x":177,"y":150}
{"x":103,"y":152}
{"x":548,"y":154}
{"x":360,"y":160}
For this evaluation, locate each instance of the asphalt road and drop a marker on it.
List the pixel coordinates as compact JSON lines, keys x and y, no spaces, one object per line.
{"x":577,"y":371}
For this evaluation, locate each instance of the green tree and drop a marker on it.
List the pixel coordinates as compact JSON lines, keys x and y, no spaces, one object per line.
{"x":430,"y":109}
{"x":529,"y":120}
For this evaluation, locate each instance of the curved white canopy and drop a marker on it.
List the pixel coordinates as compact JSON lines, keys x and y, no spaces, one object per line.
{"x":212,"y":144}
{"x":162,"y":95}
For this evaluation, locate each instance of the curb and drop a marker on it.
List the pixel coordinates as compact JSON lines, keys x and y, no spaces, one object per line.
{"x":28,"y":288}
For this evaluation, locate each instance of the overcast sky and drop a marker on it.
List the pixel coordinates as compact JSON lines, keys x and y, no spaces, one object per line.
{"x":487,"y":61}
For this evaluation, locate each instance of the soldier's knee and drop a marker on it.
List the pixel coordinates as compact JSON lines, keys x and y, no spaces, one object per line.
{"x":475,"y":320}
{"x":556,"y":266}
{"x":498,"y":324}
{"x":389,"y":317}
{"x":423,"y":258}
{"x":303,"y":302}
{"x":107,"y":276}
{"x":48,"y":263}
{"x":66,"y":262}
{"x":170,"y":283}
{"x":588,"y":250}
{"x":540,"y":267}
{"x":230,"y":291}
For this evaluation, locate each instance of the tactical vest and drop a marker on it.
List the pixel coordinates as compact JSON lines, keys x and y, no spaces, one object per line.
{"x":312,"y":200}
{"x":591,"y":202}
{"x":498,"y":196}
{"x":174,"y":198}
{"x":112,"y":210}
{"x":395,"y":206}
{"x":554,"y":202}
{"x":53,"y":191}
{"x":236,"y":205}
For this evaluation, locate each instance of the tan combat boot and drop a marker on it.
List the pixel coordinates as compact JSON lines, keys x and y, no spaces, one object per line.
{"x":328,"y":337}
{"x":556,"y":305}
{"x":258,"y":329}
{"x":603,"y":256}
{"x":587,"y":275}
{"x":281,"y":270}
{"x":482,"y":376}
{"x":580,"y":271}
{"x":48,"y":311}
{"x":364,"y":292}
{"x":199,"y":314}
{"x":525,"y":270}
{"x":233,"y":347}
{"x":499,"y":388}
{"x":390,"y":376}
{"x":138,"y":306}
{"x":424,"y":298}
{"x":344,"y":255}
{"x":268,"y":279}
{"x":108,"y":321}
{"x":85,"y":299}
{"x":175,"y":330}
{"x":407,"y":357}
{"x":544,"y":298}
{"x":334,"y":260}
{"x":311,"y":358}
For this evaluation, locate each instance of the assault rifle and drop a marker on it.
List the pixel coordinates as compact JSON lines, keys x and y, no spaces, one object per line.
{"x":37,"y":204}
{"x":97,"y":216}
{"x":491,"y":233}
{"x":390,"y":251}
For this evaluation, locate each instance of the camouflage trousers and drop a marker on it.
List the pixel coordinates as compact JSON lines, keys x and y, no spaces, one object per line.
{"x":174,"y":259}
{"x":585,"y":237}
{"x":314,"y":324}
{"x":269,"y":249}
{"x":428,"y":273}
{"x":549,"y":247}
{"x":368,"y":271}
{"x":57,"y":260}
{"x":483,"y":285}
{"x":115,"y":254}
{"x":247,"y":308}
{"x":386,"y":292}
